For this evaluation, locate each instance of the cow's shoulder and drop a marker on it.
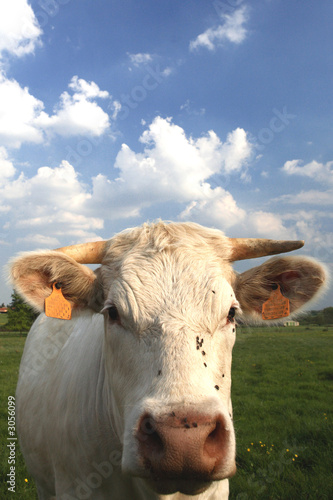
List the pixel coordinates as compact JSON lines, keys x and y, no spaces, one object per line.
{"x":51,"y":339}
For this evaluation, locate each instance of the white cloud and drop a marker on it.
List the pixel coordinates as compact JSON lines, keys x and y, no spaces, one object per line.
{"x":75,"y":220}
{"x":237,"y":150}
{"x":39,"y":240}
{"x":50,"y":186}
{"x":232,"y":30}
{"x":23,"y":119}
{"x":223,"y":212}
{"x":316,"y":171}
{"x":177,"y":169}
{"x":7,"y":169}
{"x":311,"y":197}
{"x":19,"y":113}
{"x":187,"y":106}
{"x":19,"y":29}
{"x":88,"y":90}
{"x":172,"y":168}
{"x":268,"y":225}
{"x":174,"y":163}
{"x":320,"y":172}
{"x":77,"y":114}
{"x":51,"y":203}
{"x":167,"y":71}
{"x":219,"y":209}
{"x":140,"y":58}
{"x":311,"y":226}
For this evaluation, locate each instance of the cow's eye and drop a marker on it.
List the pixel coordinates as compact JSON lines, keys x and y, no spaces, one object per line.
{"x":113,"y":313}
{"x":231,"y":314}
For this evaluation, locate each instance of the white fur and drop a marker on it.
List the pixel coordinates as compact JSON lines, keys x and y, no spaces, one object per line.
{"x":87,"y":384}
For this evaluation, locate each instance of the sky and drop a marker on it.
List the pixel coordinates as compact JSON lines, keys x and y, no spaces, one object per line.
{"x":114,"y":113}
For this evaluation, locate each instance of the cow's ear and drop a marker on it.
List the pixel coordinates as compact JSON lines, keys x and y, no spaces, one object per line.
{"x":33,"y":274}
{"x":300,"y":280}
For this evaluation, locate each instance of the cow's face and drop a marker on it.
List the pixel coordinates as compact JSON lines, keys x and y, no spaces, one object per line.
{"x":169,"y":295}
{"x":170,"y":329}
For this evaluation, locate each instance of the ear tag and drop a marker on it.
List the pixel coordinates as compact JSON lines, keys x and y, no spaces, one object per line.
{"x":277,"y":306}
{"x":56,"y":306}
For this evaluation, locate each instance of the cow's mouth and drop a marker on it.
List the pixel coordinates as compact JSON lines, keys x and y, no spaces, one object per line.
{"x":191,"y":485}
{"x":184,"y":486}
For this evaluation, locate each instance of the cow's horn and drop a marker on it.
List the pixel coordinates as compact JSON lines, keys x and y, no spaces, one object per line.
{"x":86,"y":253}
{"x":250,"y":248}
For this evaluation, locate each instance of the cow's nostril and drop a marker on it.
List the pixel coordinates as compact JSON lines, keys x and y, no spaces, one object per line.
{"x":155,"y":444}
{"x":148,"y":426}
{"x":216,"y":440}
{"x":150,"y":441}
{"x":215,"y":432}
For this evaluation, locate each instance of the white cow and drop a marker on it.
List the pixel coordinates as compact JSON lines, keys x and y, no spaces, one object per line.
{"x":130,"y":399}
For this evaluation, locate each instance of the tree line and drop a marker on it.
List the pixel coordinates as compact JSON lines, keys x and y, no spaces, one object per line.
{"x":20,"y":316}
{"x":323,"y":317}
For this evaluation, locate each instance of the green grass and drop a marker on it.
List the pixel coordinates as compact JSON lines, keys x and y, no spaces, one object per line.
{"x":283,"y":410}
{"x":11,"y":348}
{"x":3,"y":319}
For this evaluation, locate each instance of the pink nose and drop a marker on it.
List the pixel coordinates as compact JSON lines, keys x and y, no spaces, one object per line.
{"x":184,"y":446}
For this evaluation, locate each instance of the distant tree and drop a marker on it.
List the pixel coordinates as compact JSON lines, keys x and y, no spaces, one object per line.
{"x":310,"y":317}
{"x":20,"y":315}
{"x":326,"y":316}
{"x":323,"y":317}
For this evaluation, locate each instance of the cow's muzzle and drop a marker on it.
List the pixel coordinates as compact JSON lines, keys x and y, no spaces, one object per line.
{"x":186,"y":451}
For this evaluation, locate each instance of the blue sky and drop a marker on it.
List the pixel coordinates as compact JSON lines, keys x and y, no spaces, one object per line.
{"x":115,"y":113}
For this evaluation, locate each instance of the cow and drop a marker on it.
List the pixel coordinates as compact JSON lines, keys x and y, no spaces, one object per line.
{"x":130,"y":398}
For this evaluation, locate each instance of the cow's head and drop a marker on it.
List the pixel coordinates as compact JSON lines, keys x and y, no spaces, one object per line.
{"x":170,"y":297}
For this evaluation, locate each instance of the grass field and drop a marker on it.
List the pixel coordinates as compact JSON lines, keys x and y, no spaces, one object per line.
{"x":11,"y":348}
{"x":3,"y":319}
{"x":283,"y":410}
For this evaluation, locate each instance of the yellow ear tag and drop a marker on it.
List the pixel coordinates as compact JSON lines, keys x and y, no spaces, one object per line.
{"x":56,"y":306}
{"x":277,"y":306}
